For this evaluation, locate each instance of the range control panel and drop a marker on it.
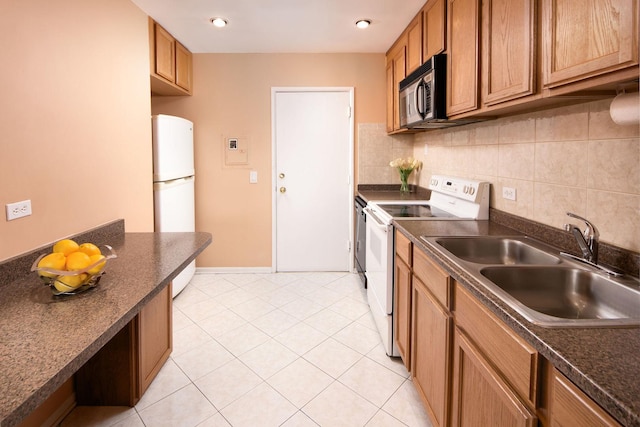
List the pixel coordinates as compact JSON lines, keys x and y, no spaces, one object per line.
{"x":466,"y":189}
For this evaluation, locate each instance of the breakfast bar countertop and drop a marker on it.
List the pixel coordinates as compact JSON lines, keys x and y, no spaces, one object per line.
{"x":47,"y":338}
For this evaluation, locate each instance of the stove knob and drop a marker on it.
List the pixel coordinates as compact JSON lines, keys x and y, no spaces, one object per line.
{"x":472,"y":190}
{"x":465,"y":190}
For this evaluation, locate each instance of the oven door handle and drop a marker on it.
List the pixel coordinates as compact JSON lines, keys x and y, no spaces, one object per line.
{"x":381,"y":224}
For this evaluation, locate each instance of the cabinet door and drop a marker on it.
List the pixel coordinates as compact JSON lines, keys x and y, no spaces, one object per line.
{"x":587,"y":38}
{"x":183,"y":67}
{"x":414,"y":44}
{"x":480,"y":396}
{"x":402,"y":310}
{"x":508,"y":49}
{"x":430,"y":352}
{"x":434,"y":28}
{"x":155,"y":337}
{"x":165,"y":54}
{"x":399,"y":73}
{"x":462,"y":59}
{"x":571,"y":407}
{"x":390,"y":95}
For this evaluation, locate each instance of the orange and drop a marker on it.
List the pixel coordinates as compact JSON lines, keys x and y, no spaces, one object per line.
{"x":78,"y":261}
{"x":65,"y":246}
{"x":55,"y":260}
{"x":89,"y":249}
{"x":98,"y":268}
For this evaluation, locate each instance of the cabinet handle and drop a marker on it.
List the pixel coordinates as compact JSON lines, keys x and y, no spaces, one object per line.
{"x":283,"y":190}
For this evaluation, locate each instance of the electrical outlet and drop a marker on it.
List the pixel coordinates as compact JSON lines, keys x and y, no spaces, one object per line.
{"x":18,"y":209}
{"x":508,"y":193}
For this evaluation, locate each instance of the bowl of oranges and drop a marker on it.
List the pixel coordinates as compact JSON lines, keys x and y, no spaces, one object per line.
{"x":72,"y":268}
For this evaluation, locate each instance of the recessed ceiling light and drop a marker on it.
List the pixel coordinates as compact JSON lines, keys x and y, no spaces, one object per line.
{"x":218,"y":22}
{"x":363,"y":23}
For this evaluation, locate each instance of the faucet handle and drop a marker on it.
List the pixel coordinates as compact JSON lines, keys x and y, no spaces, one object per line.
{"x":591,"y":232}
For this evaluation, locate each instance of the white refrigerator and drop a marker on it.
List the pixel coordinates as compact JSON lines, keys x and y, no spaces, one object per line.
{"x":173,"y":182}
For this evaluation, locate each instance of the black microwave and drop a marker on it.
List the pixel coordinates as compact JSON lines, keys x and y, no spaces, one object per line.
{"x":423,"y":97}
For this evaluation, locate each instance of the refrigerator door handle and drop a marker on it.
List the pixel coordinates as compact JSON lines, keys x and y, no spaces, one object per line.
{"x":173,"y":182}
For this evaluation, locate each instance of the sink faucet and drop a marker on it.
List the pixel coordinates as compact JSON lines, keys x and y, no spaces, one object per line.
{"x":587,"y":239}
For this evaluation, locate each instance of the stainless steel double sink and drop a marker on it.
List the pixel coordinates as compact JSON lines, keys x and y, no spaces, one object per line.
{"x":544,"y":287}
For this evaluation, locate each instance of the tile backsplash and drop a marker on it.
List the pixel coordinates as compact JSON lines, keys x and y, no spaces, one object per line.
{"x":563,"y":159}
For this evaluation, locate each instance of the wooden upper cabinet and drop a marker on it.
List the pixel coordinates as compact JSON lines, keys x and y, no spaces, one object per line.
{"x":414,"y":44}
{"x":396,"y":71}
{"x":183,"y":67}
{"x":170,"y":63}
{"x":165,"y":49}
{"x":434,"y":28}
{"x":508,"y":50}
{"x":583,"y":39}
{"x":463,"y":32}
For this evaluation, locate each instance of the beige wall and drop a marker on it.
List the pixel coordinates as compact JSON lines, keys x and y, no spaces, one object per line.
{"x":74,"y":117}
{"x":565,"y":159}
{"x":232,"y":98}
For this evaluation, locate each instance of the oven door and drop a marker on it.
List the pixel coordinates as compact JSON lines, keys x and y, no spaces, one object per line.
{"x":379,"y":273}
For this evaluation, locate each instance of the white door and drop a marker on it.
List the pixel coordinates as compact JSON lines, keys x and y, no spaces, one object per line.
{"x":313,"y":158}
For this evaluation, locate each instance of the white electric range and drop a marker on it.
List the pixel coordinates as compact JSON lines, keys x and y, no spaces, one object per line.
{"x":451,"y":199}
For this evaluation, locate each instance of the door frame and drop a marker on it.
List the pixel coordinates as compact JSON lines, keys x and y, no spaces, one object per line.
{"x":350,"y":177}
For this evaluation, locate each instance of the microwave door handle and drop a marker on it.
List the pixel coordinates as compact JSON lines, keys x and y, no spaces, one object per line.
{"x":420,"y":98}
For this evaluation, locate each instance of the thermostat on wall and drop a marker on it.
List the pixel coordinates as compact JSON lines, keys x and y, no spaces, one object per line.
{"x":236,"y":151}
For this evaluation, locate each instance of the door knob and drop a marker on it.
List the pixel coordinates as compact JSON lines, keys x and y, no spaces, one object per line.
{"x":281,"y":176}
{"x":283,"y":190}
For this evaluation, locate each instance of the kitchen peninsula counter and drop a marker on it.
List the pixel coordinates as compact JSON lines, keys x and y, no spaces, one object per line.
{"x":46,"y":339}
{"x":603,"y":362}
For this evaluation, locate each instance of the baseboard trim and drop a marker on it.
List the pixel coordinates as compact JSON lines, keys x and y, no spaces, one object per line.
{"x":210,"y":270}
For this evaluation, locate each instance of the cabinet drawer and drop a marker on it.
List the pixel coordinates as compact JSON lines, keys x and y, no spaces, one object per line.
{"x":403,"y":247}
{"x":435,"y":279}
{"x":514,"y":358}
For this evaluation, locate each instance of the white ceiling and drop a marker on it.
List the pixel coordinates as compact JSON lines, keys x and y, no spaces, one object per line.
{"x":283,"y":26}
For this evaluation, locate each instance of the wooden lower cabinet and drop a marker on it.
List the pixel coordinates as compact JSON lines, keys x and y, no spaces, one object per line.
{"x":120,"y":373}
{"x":430,"y":352}
{"x":480,"y":395}
{"x":402,"y":310}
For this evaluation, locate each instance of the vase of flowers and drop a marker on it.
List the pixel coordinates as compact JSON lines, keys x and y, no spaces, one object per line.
{"x":405,"y":167}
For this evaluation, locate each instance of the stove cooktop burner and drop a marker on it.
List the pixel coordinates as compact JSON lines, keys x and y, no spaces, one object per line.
{"x":414,"y":211}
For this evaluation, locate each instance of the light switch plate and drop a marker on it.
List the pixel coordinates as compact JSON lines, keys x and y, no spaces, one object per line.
{"x":253,"y":177}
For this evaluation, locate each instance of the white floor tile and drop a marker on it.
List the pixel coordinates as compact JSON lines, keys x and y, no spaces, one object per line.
{"x":189,"y":338}
{"x":275,"y":322}
{"x":263,"y":349}
{"x":169,"y":380}
{"x":186,"y":407}
{"x":301,"y":338}
{"x":339,"y":406}
{"x":203,"y":359}
{"x":299,"y":419}
{"x":300,"y":382}
{"x":221,"y":323}
{"x":333,"y":357}
{"x":372,"y":381}
{"x":406,"y":406}
{"x":242,"y":339}
{"x":102,"y":416}
{"x":228,"y":383}
{"x":262,"y":406}
{"x":382,"y":419}
{"x":301,"y":308}
{"x":327,"y":321}
{"x":268,"y":358}
{"x":252,"y":309}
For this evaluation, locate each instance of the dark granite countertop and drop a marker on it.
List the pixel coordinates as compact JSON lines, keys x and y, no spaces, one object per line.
{"x":603,"y":362}
{"x":46,"y":339}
